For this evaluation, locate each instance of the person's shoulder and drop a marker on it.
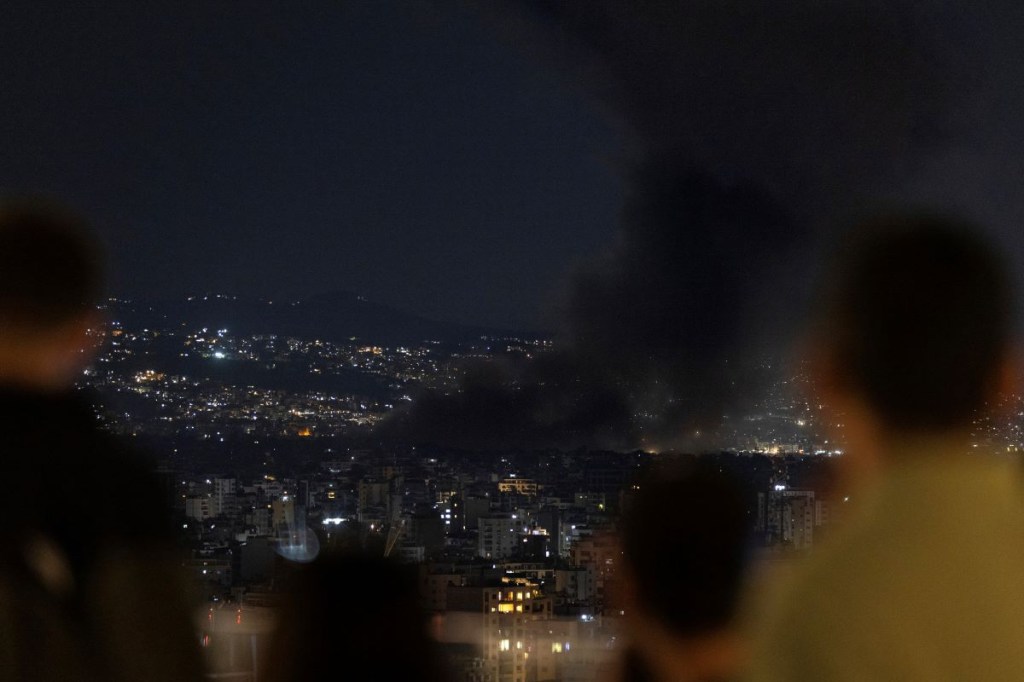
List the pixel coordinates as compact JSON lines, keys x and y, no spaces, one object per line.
{"x":123,"y":478}
{"x":130,"y":478}
{"x":796,"y":626}
{"x":807,"y":614}
{"x":122,"y":459}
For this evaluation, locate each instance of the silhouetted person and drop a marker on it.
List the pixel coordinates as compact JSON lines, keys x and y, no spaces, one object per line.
{"x":923,"y":581}
{"x":685,"y":543}
{"x":88,"y":589}
{"x":354,"y":616}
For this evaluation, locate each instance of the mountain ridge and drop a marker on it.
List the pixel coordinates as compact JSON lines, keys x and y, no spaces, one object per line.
{"x":332,"y":316}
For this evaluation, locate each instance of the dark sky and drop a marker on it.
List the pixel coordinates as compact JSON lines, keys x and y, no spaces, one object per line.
{"x":396,"y":149}
{"x":460,"y":159}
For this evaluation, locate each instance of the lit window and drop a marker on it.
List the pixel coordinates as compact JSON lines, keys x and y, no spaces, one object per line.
{"x":503,"y":645}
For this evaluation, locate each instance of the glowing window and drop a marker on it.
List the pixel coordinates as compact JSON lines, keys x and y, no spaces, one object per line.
{"x":503,"y":645}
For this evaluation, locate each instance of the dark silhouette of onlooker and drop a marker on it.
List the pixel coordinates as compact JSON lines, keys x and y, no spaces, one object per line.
{"x":685,"y":541}
{"x":88,"y":587}
{"x":354,"y":616}
{"x":923,"y":580}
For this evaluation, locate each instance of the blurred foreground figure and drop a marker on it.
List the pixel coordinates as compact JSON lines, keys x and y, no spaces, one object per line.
{"x":685,"y":545}
{"x":924,"y":580}
{"x":87,"y":584}
{"x":354,"y":617}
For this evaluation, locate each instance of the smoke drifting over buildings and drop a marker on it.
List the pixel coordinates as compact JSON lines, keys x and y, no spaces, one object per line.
{"x":750,"y":128}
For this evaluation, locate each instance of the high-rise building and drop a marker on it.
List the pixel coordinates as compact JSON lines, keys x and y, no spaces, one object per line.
{"x":496,"y":537}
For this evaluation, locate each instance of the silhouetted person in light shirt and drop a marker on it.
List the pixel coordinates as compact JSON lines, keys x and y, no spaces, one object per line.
{"x":923,"y":581}
{"x":88,"y":589}
{"x":685,"y":542}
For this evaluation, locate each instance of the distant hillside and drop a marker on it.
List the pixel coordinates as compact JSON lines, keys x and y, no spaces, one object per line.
{"x":336,"y":316}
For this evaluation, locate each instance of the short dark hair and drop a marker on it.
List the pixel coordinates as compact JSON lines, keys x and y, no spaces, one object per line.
{"x":917,"y":319}
{"x":686,"y":540}
{"x":358,"y":611}
{"x":50,"y":264}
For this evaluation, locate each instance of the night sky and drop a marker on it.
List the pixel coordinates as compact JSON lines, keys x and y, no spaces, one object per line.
{"x":654,"y":182}
{"x":426,"y":154}
{"x":401,"y":150}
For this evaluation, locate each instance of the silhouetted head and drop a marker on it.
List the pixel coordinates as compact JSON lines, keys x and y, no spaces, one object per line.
{"x":354,"y":615}
{"x":685,"y":542}
{"x":50,"y":266}
{"x":917,"y":319}
{"x":51,"y":278}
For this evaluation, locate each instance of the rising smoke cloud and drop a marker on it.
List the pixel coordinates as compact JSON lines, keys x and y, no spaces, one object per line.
{"x":751,"y":126}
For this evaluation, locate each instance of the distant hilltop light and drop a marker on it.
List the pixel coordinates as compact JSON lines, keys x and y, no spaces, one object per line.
{"x":219,"y":355}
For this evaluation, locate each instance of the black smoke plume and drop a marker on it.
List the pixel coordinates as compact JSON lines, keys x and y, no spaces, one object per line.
{"x":750,"y":126}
